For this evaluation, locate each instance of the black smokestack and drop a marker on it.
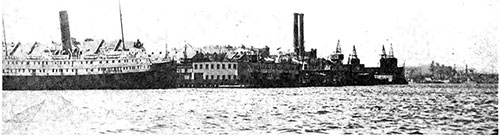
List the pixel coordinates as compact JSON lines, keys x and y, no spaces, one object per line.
{"x":295,"y":32}
{"x":301,"y":34}
{"x":65,"y":34}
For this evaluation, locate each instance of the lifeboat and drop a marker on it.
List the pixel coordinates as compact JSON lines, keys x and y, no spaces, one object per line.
{"x":32,"y":57}
{"x":60,"y":57}
{"x":91,"y":57}
{"x":113,"y":55}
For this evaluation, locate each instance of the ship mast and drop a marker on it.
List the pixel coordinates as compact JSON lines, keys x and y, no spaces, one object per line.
{"x":466,"y":71}
{"x":121,"y":22}
{"x":166,"y":44}
{"x":4,"y":36}
{"x":185,"y":51}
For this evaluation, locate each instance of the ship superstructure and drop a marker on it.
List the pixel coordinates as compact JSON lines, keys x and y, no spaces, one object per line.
{"x":72,"y":68}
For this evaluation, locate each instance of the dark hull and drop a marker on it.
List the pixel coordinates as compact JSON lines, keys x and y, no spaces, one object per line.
{"x":304,"y":78}
{"x":161,"y":75}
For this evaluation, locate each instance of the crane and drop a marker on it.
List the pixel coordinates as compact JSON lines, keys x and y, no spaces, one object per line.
{"x":191,"y":46}
{"x":338,"y":50}
{"x":391,"y":52}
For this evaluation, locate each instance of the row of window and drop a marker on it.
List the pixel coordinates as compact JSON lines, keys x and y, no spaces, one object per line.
{"x":69,"y":62}
{"x":275,"y":66}
{"x":40,"y":70}
{"x":116,"y":69}
{"x":215,"y":66}
{"x":217,"y":77}
{"x":120,"y":69}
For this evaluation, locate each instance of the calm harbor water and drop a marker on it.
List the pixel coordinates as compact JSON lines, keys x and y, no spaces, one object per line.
{"x":393,"y":109}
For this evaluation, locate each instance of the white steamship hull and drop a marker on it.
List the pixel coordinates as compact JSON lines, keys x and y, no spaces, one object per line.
{"x":160,"y":76}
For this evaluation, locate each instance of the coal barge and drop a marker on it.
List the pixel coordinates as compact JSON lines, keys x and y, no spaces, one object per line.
{"x":254,"y":67}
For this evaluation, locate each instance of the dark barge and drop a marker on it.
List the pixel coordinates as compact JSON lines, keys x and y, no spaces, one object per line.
{"x":255,"y":67}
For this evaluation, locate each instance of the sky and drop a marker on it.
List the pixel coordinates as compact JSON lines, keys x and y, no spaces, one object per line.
{"x":451,"y":32}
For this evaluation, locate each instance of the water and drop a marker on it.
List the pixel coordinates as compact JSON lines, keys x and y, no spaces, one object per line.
{"x":397,"y":109}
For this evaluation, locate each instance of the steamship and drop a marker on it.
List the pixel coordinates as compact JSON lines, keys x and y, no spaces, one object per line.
{"x":71,"y":69}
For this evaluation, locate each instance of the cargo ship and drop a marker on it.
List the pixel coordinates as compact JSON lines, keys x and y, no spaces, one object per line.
{"x":73,"y":69}
{"x":243,"y":67}
{"x":255,"y":67}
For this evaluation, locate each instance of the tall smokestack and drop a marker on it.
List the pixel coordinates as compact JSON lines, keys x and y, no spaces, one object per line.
{"x":302,"y":50}
{"x":296,"y":33}
{"x":65,"y":34}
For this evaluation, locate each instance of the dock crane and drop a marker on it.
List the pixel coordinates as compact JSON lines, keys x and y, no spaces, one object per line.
{"x":191,"y":46}
{"x":354,"y":57}
{"x":391,"y":52}
{"x":384,"y":55}
{"x":186,"y":44}
{"x":337,"y":57}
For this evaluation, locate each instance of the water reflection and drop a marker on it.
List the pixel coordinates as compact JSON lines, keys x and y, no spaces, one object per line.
{"x":406,"y":109}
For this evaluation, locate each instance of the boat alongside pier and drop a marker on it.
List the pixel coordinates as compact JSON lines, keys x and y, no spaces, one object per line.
{"x":120,"y":67}
{"x":255,"y":67}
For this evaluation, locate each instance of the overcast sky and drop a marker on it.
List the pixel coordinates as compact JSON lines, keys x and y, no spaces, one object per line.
{"x":450,"y":32}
